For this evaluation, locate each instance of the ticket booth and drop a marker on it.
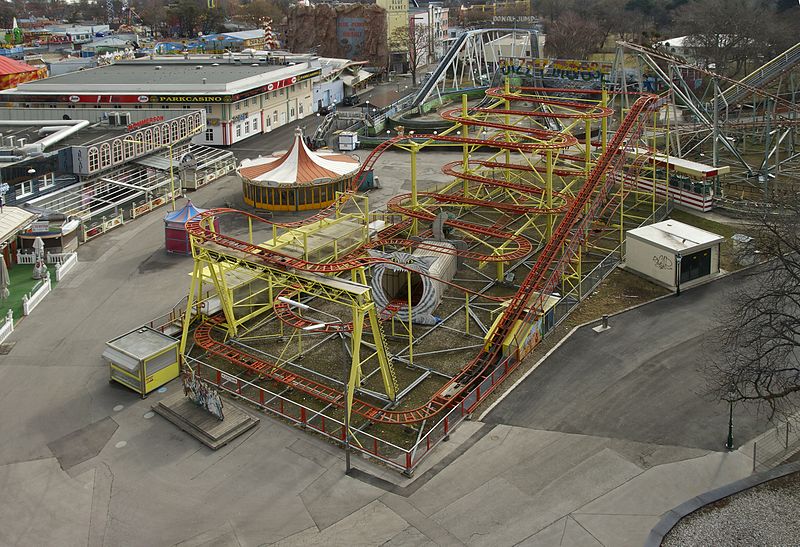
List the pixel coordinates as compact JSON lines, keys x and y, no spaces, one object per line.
{"x":142,"y":359}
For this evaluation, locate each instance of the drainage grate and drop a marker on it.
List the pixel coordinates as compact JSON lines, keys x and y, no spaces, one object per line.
{"x":6,"y":348}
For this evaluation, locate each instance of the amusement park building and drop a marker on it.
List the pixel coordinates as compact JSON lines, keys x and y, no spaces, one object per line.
{"x":296,"y":180}
{"x":242,"y":95}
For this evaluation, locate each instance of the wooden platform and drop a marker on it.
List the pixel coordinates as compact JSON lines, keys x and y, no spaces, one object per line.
{"x":201,"y":425}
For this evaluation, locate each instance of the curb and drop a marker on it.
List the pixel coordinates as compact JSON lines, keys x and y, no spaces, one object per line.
{"x":673,"y":516}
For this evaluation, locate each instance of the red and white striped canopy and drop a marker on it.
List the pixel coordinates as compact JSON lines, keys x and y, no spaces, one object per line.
{"x":298,"y":165}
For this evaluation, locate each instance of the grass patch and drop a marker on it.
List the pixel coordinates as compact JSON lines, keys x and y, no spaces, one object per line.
{"x":727,"y":258}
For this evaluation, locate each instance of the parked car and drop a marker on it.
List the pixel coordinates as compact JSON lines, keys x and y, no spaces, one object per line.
{"x":351,"y":100}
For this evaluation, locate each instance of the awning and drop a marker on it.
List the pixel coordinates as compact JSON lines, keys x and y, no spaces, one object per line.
{"x":350,"y":80}
{"x":12,"y":220}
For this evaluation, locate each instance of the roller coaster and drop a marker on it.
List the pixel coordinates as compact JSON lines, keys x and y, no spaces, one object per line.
{"x":524,"y":198}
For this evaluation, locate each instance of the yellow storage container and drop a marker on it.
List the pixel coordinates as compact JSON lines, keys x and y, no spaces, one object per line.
{"x":143,"y":359}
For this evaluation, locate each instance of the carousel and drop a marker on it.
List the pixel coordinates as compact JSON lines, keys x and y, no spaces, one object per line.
{"x":298,"y":179}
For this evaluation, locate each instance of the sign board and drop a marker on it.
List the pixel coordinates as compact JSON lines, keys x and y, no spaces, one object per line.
{"x":568,"y":69}
{"x":161,"y":98}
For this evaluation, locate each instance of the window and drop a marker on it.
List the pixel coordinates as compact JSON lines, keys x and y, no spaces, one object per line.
{"x":105,"y":155}
{"x":48,"y":181}
{"x":275,"y":116}
{"x":129,"y":150}
{"x":238,"y":130}
{"x":157,"y":136}
{"x":274,"y":94}
{"x":247,"y":127}
{"x":300,"y":109}
{"x":209,"y":135}
{"x":208,"y":110}
{"x":94,"y":159}
{"x":182,"y":126}
{"x":291,"y":112}
{"x":255,"y":124}
{"x":116,"y":149}
{"x":247,"y":102}
{"x":283,"y":91}
{"x":25,"y":188}
{"x":238,"y":106}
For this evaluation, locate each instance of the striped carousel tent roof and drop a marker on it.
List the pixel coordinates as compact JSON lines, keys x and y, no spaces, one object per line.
{"x":298,"y":165}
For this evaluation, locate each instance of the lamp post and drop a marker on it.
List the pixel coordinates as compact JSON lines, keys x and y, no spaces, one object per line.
{"x":171,"y":175}
{"x":731,"y":397}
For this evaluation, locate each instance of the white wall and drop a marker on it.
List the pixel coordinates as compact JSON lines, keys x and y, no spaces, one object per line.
{"x":650,"y":261}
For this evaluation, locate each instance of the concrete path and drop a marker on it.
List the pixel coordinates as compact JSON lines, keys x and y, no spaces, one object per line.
{"x":84,"y":462}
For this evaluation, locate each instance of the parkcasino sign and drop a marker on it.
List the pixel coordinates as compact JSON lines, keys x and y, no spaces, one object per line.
{"x":161,"y":98}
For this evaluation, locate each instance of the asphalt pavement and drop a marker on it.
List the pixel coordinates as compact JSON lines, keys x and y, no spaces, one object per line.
{"x":639,"y":380}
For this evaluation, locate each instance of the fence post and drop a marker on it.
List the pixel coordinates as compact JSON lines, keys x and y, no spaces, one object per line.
{"x":786,"y":443}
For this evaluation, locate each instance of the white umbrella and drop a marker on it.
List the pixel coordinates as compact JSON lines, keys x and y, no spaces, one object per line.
{"x":5,"y":280}
{"x":39,"y":268}
{"x":38,"y":247}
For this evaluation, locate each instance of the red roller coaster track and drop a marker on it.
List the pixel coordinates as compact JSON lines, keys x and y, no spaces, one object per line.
{"x":578,"y":213}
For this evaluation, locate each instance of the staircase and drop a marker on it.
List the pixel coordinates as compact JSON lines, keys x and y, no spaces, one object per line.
{"x":763,"y":75}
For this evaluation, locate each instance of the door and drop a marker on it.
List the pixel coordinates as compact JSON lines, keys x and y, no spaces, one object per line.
{"x":283,"y":118}
{"x":695,"y":265}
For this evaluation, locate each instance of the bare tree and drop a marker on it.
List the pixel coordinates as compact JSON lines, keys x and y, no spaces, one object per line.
{"x":415,"y":40}
{"x":729,"y":34}
{"x":757,"y":351}
{"x":570,"y":35}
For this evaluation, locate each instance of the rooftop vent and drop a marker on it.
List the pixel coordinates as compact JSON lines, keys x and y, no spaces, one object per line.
{"x":158,"y":67}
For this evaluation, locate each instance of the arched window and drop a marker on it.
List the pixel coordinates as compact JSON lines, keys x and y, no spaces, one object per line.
{"x":190,"y":124}
{"x":139,"y":138}
{"x":116,"y":149}
{"x":94,"y":159}
{"x":174,"y":133}
{"x":157,"y":135}
{"x":148,"y":139}
{"x":129,"y":149}
{"x":105,"y":155}
{"x":182,"y":126}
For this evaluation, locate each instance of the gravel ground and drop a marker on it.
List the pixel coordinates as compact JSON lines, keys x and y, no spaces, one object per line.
{"x":764,"y":515}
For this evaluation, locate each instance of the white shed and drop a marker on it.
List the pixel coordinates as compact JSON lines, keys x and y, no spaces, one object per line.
{"x":673,"y":254}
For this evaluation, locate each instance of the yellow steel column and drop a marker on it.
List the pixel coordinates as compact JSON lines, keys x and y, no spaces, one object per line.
{"x":655,"y":194}
{"x":222,"y":292}
{"x":465,"y":134}
{"x":197,"y":271}
{"x":414,"y":202}
{"x":387,"y":372}
{"x":507,"y":106}
{"x":355,"y":365}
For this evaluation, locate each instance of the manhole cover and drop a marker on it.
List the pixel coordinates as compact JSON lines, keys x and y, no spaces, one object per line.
{"x":5,"y":349}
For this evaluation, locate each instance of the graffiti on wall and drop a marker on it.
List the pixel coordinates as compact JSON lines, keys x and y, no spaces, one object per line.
{"x":568,"y":69}
{"x":662,"y":262}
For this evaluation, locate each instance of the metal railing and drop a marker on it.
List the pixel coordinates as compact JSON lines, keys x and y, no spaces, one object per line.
{"x":773,"y":447}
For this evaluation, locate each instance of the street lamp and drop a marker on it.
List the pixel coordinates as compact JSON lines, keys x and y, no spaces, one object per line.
{"x":171,"y":175}
{"x":731,"y":397}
